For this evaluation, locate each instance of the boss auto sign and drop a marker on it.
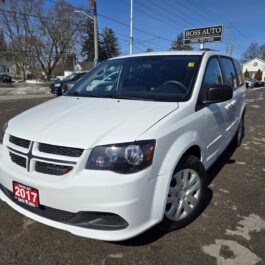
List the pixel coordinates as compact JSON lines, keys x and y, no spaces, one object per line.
{"x":201,"y":35}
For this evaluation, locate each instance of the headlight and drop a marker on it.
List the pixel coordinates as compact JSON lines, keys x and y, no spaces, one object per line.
{"x":57,"y":85}
{"x":122,"y":158}
{"x":3,"y":132}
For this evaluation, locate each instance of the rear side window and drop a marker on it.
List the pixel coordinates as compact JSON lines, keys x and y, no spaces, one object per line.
{"x":229,"y":72}
{"x":240,"y":76}
{"x":213,"y":75}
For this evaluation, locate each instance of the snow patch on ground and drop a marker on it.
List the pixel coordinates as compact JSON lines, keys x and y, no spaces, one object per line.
{"x":229,"y":252}
{"x":29,"y":90}
{"x":252,"y":223}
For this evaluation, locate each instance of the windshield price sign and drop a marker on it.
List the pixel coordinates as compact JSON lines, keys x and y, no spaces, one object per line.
{"x":201,"y":35}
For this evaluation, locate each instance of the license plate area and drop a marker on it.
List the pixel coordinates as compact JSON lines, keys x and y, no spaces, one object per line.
{"x":26,"y":194}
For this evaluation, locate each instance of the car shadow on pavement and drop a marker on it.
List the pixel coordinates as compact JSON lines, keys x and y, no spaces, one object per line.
{"x":224,"y":158}
{"x":156,"y":232}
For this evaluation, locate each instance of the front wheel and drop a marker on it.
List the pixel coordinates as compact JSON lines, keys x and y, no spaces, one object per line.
{"x":186,"y":193}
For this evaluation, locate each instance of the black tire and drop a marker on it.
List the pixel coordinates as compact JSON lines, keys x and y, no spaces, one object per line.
{"x":189,"y":162}
{"x":240,"y":132}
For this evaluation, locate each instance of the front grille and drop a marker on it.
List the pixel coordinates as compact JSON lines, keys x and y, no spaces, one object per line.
{"x":60,"y":150}
{"x":52,"y":169}
{"x":44,"y":211}
{"x":19,"y":160}
{"x":19,"y":141}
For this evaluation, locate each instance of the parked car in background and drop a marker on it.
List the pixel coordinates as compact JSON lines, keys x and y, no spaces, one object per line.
{"x":112,"y":161}
{"x":249,"y":83}
{"x":17,"y":79}
{"x":4,"y":78}
{"x":64,"y":88}
{"x":256,"y":83}
{"x":58,"y":86}
{"x":54,"y":79}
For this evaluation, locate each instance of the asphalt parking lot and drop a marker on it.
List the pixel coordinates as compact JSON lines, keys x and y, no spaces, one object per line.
{"x":230,"y":231}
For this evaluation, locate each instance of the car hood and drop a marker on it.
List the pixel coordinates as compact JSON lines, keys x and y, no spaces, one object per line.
{"x":87,"y":122}
{"x":62,"y":82}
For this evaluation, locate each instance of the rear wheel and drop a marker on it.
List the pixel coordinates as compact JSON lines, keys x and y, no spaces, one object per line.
{"x":186,"y":193}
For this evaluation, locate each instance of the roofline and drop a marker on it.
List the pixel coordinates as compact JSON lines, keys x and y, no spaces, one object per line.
{"x":169,"y":53}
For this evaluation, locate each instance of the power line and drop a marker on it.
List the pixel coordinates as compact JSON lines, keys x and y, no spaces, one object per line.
{"x":8,"y":50}
{"x":73,"y":22}
{"x":153,"y":16}
{"x":122,"y":23}
{"x":137,"y":29}
{"x":170,"y":13}
{"x":37,"y":16}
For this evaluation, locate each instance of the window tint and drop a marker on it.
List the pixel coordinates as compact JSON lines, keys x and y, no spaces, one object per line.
{"x":229,"y":72}
{"x":240,"y":75}
{"x":213,"y":75}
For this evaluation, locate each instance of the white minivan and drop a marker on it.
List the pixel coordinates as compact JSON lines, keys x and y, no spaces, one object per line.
{"x":109,"y":161}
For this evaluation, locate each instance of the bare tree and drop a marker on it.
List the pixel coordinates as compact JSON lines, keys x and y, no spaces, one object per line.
{"x":262,"y":51}
{"x":40,"y":35}
{"x":54,"y":37}
{"x":252,"y":52}
{"x":17,"y":37}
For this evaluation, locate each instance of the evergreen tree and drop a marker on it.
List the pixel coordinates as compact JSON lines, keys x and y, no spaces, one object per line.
{"x":246,"y":74}
{"x":178,"y":44}
{"x":258,"y":75}
{"x":109,"y":44}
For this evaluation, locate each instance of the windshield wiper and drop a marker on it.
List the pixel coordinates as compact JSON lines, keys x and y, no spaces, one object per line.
{"x":78,"y":94}
{"x":128,"y":97}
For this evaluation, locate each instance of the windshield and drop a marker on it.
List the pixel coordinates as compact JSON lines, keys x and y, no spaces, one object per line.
{"x":160,"y":78}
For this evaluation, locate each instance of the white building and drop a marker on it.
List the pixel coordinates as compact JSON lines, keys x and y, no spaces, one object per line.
{"x":253,"y":66}
{"x":7,"y":64}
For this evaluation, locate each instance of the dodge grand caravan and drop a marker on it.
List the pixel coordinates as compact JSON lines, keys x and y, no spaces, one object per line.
{"x":110,"y":160}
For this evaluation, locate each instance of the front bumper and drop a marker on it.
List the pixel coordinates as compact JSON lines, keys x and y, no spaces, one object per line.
{"x":136,"y":198}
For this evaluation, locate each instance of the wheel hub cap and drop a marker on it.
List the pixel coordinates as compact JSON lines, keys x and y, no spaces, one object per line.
{"x":183,"y":195}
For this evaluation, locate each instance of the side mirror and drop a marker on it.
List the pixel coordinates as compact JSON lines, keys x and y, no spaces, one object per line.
{"x":218,"y":93}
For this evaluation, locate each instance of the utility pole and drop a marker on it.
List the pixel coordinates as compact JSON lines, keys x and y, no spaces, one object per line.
{"x":232,"y":49}
{"x":229,"y":45}
{"x":131,"y":28}
{"x":93,"y":7}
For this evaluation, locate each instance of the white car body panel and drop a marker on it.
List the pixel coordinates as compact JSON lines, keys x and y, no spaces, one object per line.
{"x":139,"y":198}
{"x":121,"y":121}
